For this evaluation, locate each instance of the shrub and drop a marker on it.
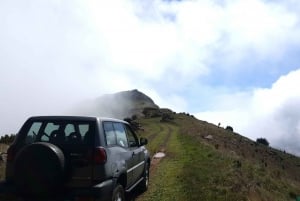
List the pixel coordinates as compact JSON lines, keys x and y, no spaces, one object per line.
{"x":134,"y":117}
{"x":263,"y":141}
{"x":134,"y":125}
{"x":166,"y":117}
{"x":151,"y":112}
{"x":229,"y":128}
{"x":129,"y":120}
{"x":7,"y":139}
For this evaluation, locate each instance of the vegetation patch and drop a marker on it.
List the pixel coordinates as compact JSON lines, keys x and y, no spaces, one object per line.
{"x":191,"y":171}
{"x":226,"y":167}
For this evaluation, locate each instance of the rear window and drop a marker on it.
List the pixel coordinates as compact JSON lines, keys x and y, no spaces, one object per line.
{"x":60,"y":132}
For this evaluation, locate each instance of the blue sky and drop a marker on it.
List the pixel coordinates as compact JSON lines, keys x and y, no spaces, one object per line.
{"x":234,"y":61}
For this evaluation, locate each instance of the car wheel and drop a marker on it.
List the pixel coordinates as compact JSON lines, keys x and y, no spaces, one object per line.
{"x":39,"y":169}
{"x":145,"y":183}
{"x":118,"y":193}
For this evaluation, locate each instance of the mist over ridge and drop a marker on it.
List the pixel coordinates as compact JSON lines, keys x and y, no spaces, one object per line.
{"x":117,"y":105}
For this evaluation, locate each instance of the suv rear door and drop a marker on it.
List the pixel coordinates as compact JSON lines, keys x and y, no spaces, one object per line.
{"x":79,"y":149}
{"x":74,"y":138}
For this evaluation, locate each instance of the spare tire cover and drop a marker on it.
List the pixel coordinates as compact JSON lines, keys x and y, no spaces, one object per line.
{"x":39,"y":169}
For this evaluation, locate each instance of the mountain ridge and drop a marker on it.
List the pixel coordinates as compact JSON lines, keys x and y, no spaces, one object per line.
{"x":116,"y":105}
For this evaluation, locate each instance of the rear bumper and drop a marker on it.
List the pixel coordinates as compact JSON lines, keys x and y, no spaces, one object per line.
{"x":102,"y":191}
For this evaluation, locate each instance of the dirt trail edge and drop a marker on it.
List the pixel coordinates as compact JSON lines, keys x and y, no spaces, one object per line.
{"x":155,"y":160}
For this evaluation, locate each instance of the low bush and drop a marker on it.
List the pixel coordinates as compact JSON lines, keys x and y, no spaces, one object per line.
{"x":263,"y":141}
{"x":229,"y":128}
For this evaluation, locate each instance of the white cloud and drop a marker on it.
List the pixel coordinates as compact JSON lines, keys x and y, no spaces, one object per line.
{"x":272,"y":113}
{"x":172,"y":101}
{"x":54,"y":54}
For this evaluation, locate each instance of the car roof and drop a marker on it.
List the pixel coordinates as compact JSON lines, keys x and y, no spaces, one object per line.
{"x":75,"y":118}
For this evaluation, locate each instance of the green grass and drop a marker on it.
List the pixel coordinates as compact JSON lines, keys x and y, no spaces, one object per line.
{"x":191,"y":172}
{"x":154,"y":127}
{"x":164,"y":184}
{"x":211,"y":174}
{"x":195,"y":170}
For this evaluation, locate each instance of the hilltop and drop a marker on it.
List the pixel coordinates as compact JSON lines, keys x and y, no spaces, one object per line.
{"x":125,"y":104}
{"x":118,"y":105}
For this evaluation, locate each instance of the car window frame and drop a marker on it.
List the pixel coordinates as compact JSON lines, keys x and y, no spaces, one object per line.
{"x":129,"y":129}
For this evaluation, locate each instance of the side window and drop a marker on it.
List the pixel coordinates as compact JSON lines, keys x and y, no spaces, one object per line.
{"x":83,"y":129}
{"x":87,"y":132}
{"x":50,"y":127}
{"x":44,"y":138}
{"x":77,"y":131}
{"x":69,"y":129}
{"x":109,"y":133}
{"x":121,"y":134}
{"x":32,"y":133}
{"x":132,"y":139}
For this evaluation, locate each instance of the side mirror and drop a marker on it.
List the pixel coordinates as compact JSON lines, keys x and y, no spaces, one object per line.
{"x":143,"y":141}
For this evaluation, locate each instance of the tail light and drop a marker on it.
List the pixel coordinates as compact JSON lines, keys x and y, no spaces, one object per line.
{"x":98,"y":156}
{"x":10,"y":154}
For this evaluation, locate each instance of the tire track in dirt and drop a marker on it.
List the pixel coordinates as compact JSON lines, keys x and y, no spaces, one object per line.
{"x":133,"y":196}
{"x":166,"y":140}
{"x":155,"y":160}
{"x":153,"y":135}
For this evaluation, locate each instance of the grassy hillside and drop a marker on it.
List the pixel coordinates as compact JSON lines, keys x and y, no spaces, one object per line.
{"x":226,"y":166}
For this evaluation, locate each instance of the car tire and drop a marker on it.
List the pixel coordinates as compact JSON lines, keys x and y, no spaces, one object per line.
{"x":145,"y":183}
{"x":118,"y":193}
{"x":39,"y":170}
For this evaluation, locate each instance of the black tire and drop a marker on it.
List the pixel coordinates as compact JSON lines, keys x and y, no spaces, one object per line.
{"x":145,"y":183}
{"x":39,"y":170}
{"x":118,"y":193}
